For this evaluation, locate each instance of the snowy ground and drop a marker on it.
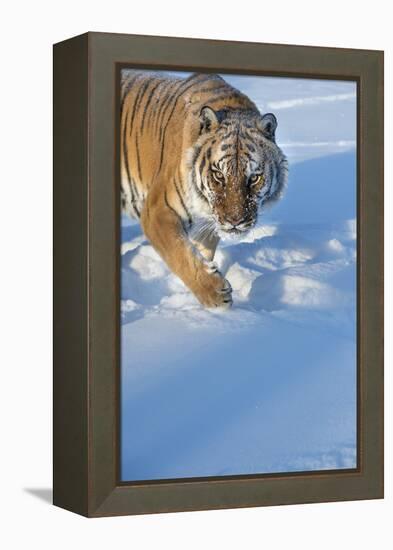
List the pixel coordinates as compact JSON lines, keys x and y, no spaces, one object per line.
{"x":269,"y":386}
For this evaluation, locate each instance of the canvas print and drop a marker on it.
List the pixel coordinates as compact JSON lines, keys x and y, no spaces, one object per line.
{"x":238,"y":275}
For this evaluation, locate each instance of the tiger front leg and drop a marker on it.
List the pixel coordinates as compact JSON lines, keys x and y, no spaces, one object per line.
{"x":164,"y":229}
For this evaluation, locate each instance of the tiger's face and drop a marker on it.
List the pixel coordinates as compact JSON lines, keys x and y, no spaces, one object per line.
{"x":238,"y":168}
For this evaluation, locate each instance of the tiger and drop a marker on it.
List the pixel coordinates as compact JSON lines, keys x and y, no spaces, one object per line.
{"x":197,"y":162}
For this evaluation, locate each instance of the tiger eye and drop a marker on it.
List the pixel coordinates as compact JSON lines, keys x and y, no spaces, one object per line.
{"x":256,"y":178}
{"x":218,"y":176}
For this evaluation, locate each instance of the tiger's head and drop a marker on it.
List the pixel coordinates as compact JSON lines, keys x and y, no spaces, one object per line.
{"x":237,"y":167}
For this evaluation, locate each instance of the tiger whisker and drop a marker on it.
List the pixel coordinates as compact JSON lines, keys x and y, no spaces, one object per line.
{"x":205,"y":232}
{"x":203,"y":229}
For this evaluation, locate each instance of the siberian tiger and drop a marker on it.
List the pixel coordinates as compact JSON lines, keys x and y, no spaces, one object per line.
{"x":197,"y":161}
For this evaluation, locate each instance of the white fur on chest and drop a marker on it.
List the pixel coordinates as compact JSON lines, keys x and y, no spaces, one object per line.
{"x":198,"y":207}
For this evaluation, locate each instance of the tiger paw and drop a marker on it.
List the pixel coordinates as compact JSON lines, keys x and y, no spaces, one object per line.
{"x":213,"y":290}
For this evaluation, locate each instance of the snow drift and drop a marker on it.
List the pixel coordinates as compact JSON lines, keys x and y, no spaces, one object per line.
{"x":269,"y":386}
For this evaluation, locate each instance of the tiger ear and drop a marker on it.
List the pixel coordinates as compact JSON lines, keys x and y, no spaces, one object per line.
{"x":269,"y":125}
{"x":208,"y":119}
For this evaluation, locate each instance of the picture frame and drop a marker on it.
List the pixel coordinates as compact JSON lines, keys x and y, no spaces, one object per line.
{"x":86,"y":275}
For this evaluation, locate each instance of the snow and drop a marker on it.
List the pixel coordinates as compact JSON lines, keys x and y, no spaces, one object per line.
{"x":270,"y":385}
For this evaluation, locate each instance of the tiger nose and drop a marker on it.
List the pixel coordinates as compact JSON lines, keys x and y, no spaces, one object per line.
{"x":235,"y":219}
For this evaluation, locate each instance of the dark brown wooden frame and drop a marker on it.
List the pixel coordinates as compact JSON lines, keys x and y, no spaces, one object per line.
{"x":86,"y":274}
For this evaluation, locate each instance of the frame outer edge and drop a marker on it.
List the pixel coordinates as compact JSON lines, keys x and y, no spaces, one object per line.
{"x":70,"y":268}
{"x":370,"y":294}
{"x":105,"y":497}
